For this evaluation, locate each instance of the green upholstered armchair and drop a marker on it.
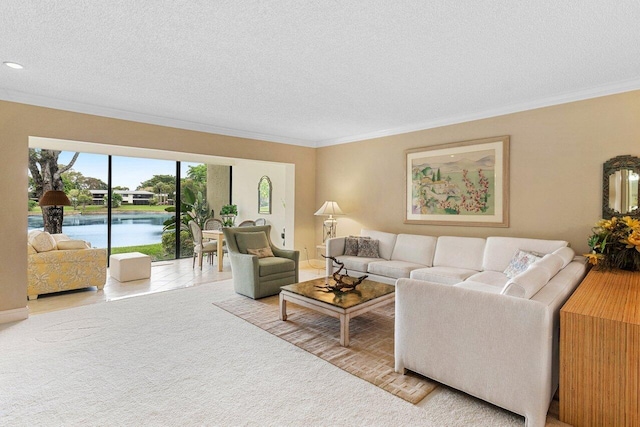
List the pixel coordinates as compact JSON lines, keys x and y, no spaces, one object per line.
{"x":254,"y":276}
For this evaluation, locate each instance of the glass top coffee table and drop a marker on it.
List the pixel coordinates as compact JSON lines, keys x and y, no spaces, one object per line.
{"x":342,"y":305}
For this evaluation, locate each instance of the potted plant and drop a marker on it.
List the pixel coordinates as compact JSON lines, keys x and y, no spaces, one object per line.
{"x":228,"y":214}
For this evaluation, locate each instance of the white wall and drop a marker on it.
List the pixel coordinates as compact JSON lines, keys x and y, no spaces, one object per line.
{"x":244,"y":194}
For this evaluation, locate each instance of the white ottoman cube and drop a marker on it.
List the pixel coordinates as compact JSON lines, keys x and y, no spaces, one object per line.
{"x":131,"y":266}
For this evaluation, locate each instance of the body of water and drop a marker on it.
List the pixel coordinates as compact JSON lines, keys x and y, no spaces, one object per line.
{"x":128,"y":229}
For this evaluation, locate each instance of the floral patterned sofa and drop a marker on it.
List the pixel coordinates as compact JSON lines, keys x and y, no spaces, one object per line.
{"x":57,"y":263}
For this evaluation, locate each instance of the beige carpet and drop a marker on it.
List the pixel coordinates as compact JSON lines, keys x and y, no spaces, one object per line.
{"x":369,"y":355}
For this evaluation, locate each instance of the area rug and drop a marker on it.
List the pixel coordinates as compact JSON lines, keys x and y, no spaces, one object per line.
{"x":370,"y":352}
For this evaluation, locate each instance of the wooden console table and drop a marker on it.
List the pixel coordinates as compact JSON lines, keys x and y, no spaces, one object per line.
{"x":600,"y":351}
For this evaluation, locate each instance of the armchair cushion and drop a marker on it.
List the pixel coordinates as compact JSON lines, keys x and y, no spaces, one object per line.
{"x":251,"y":240}
{"x":275,"y":265}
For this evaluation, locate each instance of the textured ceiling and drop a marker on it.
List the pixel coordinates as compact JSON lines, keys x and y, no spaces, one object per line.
{"x":315,"y":72}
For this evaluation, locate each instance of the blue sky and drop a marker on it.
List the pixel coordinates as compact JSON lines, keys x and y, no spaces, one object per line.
{"x":127,"y":171}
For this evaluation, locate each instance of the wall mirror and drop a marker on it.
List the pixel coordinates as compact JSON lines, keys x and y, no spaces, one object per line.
{"x":264,"y":195}
{"x":620,"y":187}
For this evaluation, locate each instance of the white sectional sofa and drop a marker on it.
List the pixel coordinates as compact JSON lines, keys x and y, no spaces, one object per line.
{"x":462,"y":321}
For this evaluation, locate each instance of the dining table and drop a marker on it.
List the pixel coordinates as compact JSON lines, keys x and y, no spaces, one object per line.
{"x":219,"y":236}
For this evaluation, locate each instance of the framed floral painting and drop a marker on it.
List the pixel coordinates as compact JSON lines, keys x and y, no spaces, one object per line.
{"x":462,"y":183}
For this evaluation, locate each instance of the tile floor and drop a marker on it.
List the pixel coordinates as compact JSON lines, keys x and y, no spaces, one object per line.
{"x":165,"y":276}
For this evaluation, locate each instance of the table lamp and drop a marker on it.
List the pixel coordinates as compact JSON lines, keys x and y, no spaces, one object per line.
{"x":329,"y":208}
{"x":55,"y":200}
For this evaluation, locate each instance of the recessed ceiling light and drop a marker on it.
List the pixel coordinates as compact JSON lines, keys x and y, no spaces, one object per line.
{"x":13,"y":65}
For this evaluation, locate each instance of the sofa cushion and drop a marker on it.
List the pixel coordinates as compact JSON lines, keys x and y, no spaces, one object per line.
{"x":551,"y":262}
{"x":566,"y":254}
{"x":30,"y":250}
{"x":41,"y":241}
{"x":414,"y":248}
{"x":253,"y":240}
{"x":394,"y":269}
{"x":351,"y":246}
{"x":520,"y":261}
{"x":478,"y":286}
{"x":368,"y":248}
{"x":445,"y":275}
{"x":386,"y":241}
{"x":499,"y":250}
{"x":495,"y":278}
{"x":527,"y":284}
{"x":58,"y":237}
{"x":274,"y":265}
{"x":356,"y":263}
{"x":460,"y":252}
{"x":65,"y":245}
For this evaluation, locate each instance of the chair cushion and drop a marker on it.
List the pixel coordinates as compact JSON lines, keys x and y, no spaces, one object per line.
{"x":275,"y":265}
{"x":251,"y":240}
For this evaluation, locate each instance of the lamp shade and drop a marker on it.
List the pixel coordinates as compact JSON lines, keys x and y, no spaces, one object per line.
{"x":55,"y":198}
{"x":329,"y":208}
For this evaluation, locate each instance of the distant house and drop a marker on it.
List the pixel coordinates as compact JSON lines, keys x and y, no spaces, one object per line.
{"x":128,"y":197}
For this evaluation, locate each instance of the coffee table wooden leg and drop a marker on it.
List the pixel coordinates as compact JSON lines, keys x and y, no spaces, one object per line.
{"x":283,"y":308}
{"x":344,"y":330}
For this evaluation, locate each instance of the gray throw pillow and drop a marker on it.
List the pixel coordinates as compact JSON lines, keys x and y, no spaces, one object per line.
{"x":251,"y":240}
{"x":351,"y":246}
{"x":368,"y":248}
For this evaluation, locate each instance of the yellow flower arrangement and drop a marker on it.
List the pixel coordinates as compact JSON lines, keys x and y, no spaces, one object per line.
{"x":615,"y":243}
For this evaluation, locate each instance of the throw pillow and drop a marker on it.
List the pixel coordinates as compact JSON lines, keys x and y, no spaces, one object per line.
{"x":262,"y":252}
{"x":41,"y":241}
{"x":253,"y":240}
{"x":520,"y":262}
{"x":351,"y":246}
{"x":368,"y":248}
{"x":72,"y":245}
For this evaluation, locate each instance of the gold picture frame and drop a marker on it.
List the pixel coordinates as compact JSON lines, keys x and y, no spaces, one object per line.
{"x":462,"y":183}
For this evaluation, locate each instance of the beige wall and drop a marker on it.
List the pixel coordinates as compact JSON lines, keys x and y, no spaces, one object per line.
{"x":556,"y":170}
{"x":19,"y":121}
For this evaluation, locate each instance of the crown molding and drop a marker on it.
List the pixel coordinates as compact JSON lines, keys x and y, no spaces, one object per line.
{"x":596,"y":92}
{"x":78,"y":107}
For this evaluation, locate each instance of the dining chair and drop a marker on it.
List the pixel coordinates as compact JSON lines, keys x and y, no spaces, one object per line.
{"x":199,"y":247}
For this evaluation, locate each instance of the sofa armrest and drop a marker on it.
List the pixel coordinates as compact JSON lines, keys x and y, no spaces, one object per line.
{"x":492,"y":346}
{"x":334,"y":248}
{"x":69,"y":256}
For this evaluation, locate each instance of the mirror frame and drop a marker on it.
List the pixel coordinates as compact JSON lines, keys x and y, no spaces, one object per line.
{"x":608,"y":168}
